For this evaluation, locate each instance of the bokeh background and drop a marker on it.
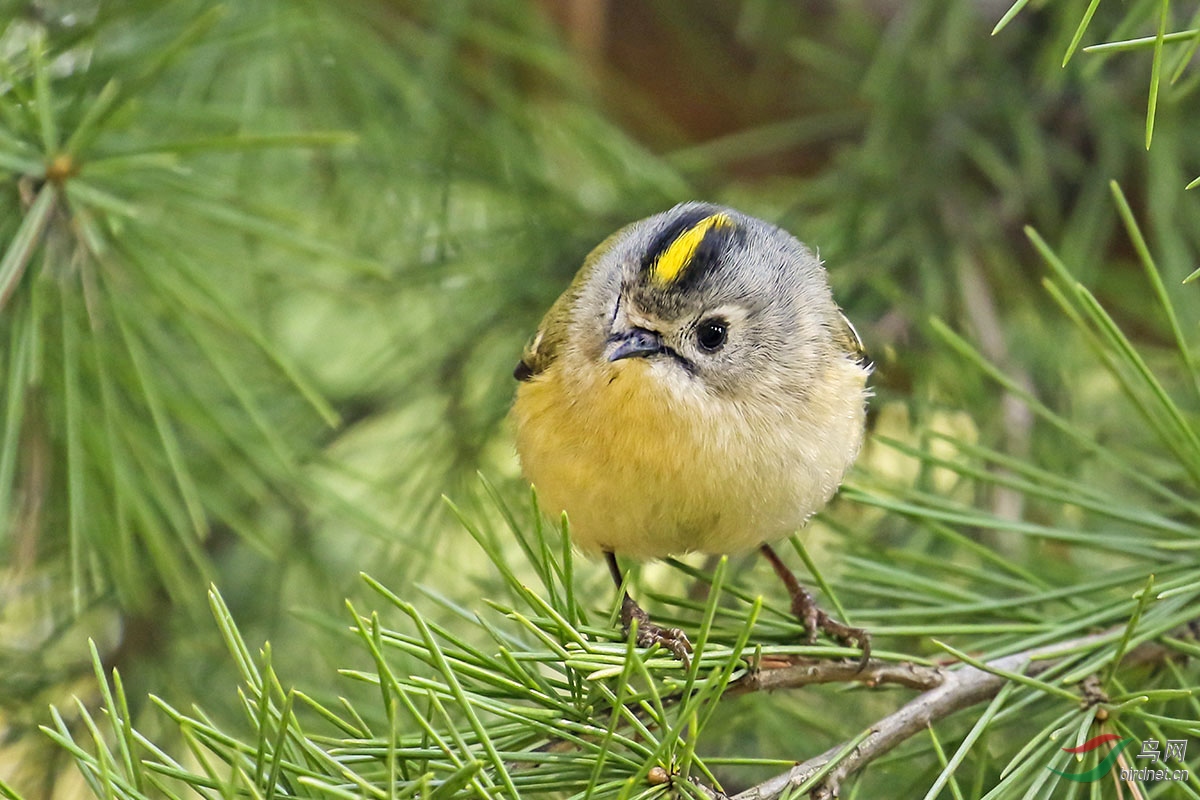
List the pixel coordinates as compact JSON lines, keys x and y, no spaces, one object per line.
{"x":267,"y":267}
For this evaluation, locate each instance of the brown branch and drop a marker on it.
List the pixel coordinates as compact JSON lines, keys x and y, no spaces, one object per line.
{"x":955,"y":690}
{"x":796,"y":672}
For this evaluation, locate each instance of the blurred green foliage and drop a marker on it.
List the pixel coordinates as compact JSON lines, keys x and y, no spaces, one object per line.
{"x":265,"y":268}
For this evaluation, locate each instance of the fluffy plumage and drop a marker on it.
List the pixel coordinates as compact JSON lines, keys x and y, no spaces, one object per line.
{"x":655,"y":443}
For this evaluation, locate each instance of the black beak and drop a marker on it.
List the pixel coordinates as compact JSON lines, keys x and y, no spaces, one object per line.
{"x":635,"y":343}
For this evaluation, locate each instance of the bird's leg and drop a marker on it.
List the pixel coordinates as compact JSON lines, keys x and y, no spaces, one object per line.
{"x":648,"y":634}
{"x":812,"y":616}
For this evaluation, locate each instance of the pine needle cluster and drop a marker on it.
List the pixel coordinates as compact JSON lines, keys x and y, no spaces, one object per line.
{"x":264,"y":269}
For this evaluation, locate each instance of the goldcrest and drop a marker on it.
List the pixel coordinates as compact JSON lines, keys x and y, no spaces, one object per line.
{"x":695,"y":389}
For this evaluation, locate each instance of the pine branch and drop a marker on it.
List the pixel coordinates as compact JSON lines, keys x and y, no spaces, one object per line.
{"x":797,"y":672}
{"x":954,"y":690}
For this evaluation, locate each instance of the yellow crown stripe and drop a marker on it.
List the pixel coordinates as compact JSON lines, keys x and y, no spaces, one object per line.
{"x":675,"y":259}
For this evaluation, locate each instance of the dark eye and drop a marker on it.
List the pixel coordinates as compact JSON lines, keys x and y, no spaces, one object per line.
{"x":711,"y":334}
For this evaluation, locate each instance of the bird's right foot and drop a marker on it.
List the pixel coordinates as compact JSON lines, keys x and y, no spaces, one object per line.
{"x":650,"y":634}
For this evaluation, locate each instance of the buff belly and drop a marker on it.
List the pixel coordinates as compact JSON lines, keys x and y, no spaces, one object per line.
{"x":646,"y":467}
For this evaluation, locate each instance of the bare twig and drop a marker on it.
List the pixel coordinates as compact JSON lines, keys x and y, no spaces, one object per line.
{"x":957,"y":689}
{"x":797,"y":672}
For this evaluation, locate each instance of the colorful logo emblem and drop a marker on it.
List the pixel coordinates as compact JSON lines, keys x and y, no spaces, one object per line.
{"x":1101,"y":769}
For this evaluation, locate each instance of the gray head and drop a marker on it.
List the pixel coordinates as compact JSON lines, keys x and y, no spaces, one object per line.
{"x":720,"y":297}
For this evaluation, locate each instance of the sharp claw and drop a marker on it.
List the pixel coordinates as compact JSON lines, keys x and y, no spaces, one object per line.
{"x":812,"y":617}
{"x":865,"y":658}
{"x":672,"y":639}
{"x":815,"y":619}
{"x":847,"y":636}
{"x":679,"y":647}
{"x":649,"y":634}
{"x":863,"y":640}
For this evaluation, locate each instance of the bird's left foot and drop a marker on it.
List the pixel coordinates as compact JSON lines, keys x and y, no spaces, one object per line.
{"x":814,"y":618}
{"x":650,"y":634}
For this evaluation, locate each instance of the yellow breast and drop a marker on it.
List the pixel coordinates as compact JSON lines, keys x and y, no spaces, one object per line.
{"x":647,"y":464}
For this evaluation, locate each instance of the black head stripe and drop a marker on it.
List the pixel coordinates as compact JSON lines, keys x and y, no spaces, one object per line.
{"x":684,"y":222}
{"x":716,"y":241}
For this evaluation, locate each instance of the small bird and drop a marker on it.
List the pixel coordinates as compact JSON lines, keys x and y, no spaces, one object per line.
{"x":695,"y":389}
